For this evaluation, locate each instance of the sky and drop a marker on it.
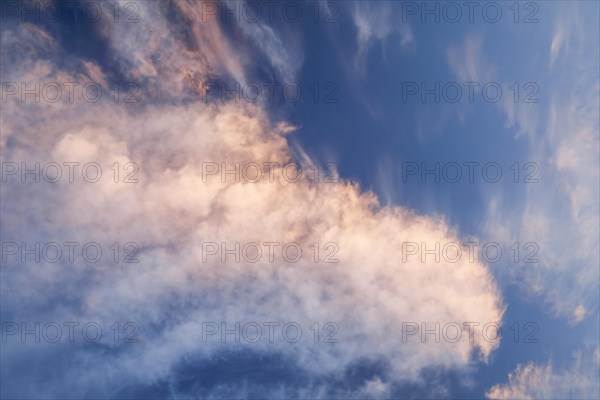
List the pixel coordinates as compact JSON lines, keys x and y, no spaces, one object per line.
{"x":300,"y":199}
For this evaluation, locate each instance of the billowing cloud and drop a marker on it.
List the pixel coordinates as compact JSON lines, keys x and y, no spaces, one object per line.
{"x":176,"y":207}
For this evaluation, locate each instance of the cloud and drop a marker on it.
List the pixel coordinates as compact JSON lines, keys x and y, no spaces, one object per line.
{"x":531,"y":381}
{"x":560,"y":212}
{"x":172,"y":210}
{"x":468,"y":62}
{"x":557,"y":43}
{"x":285,"y":59}
{"x":375,"y":22}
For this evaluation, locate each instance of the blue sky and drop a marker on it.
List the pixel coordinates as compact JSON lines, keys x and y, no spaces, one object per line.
{"x":363,"y":59}
{"x":372,"y":148}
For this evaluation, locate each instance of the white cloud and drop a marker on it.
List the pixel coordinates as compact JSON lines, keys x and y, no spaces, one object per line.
{"x":531,"y":381}
{"x":375,"y":22}
{"x":560,"y":213}
{"x":285,"y":59}
{"x":468,"y":63}
{"x":171,"y":211}
{"x":557,"y":43}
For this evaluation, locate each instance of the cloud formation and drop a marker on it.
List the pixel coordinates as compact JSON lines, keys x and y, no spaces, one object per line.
{"x":560,"y":134}
{"x":375,"y":22}
{"x":175,"y":208}
{"x":531,"y":381}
